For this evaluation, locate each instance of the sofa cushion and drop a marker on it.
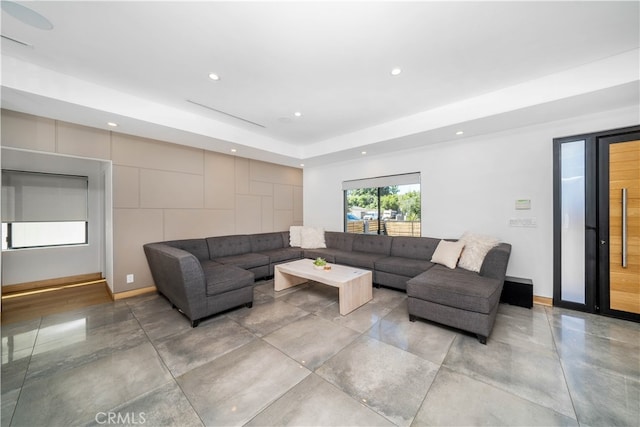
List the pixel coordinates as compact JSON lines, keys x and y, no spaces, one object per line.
{"x":249,"y":260}
{"x":295,"y":237}
{"x":338,"y":240}
{"x":283,"y":254}
{"x":414,"y":247}
{"x":407,"y":267}
{"x":266,"y":241}
{"x":357,"y":259}
{"x":196,"y":247}
{"x":476,"y":247}
{"x":447,"y":253}
{"x":372,"y":244}
{"x":326,"y":253}
{"x":224,"y":246}
{"x":457,"y":288}
{"x":312,"y":238}
{"x":224,"y":278}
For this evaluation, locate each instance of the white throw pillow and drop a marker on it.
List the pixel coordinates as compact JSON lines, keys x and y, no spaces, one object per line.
{"x":312,"y":238}
{"x":447,"y":253}
{"x":476,"y":247}
{"x":295,"y":239}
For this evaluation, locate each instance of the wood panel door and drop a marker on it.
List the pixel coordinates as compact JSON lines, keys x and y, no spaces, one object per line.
{"x":624,"y":226}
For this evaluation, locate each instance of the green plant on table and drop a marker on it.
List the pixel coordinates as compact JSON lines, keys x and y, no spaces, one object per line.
{"x":320,"y":262}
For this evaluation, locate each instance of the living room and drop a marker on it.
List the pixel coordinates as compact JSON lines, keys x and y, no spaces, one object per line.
{"x":168,"y":181}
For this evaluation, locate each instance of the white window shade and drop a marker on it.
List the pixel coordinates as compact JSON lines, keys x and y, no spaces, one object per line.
{"x":382,"y":181}
{"x":43,"y":197}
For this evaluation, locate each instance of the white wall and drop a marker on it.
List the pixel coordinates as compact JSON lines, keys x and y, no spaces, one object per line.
{"x":472,"y":184}
{"x":28,"y":265}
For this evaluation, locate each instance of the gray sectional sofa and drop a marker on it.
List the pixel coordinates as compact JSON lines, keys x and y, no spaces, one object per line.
{"x":202,"y":277}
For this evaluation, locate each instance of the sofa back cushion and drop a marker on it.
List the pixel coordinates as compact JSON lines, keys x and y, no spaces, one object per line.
{"x":196,"y":247}
{"x":414,"y":247}
{"x":266,"y":241}
{"x":372,"y":243}
{"x":223,"y":246}
{"x":339,"y":240}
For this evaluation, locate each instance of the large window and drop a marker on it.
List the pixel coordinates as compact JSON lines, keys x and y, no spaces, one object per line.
{"x":383,"y":205}
{"x":43,"y":209}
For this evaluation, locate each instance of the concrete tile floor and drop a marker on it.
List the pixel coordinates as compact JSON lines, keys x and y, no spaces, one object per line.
{"x":293,"y":360}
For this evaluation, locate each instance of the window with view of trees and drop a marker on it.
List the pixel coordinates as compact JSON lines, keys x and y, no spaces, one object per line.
{"x":392,"y":209}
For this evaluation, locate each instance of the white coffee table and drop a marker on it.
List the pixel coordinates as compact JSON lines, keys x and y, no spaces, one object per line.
{"x":354,"y":285}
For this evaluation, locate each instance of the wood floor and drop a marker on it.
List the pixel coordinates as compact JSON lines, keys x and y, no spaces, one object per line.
{"x":33,"y":303}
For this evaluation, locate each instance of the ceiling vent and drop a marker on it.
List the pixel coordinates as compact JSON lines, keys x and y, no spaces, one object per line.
{"x":226,"y":114}
{"x":16,"y":41}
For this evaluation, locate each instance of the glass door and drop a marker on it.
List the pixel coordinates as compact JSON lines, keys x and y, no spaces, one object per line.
{"x":597,"y":222}
{"x":574,"y":224}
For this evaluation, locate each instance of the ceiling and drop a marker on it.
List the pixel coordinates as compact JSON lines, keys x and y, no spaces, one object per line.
{"x":474,"y":66}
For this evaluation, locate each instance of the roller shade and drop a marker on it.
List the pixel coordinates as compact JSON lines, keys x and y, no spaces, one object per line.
{"x":43,"y":197}
{"x":382,"y":181}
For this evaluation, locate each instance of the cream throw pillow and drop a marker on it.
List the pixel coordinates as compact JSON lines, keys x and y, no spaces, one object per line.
{"x":447,"y":253}
{"x":312,"y":238}
{"x":295,"y":238}
{"x":476,"y":247}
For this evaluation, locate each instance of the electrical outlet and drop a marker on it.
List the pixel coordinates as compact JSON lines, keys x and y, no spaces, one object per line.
{"x":129,"y":278}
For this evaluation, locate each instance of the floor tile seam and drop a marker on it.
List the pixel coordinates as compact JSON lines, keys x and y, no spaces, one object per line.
{"x":424,"y":399}
{"x":26,"y":371}
{"x":559,"y":356}
{"x":24,"y":376}
{"x":134,"y":398}
{"x":173,"y":378}
{"x":483,"y":380}
{"x":602,"y":369}
{"x":290,"y":357}
{"x":354,"y":398}
{"x":517,"y":396}
{"x":272,"y":402}
{"x":635,"y":346}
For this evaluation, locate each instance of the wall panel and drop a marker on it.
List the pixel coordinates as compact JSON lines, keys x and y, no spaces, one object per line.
{"x":28,"y":132}
{"x":151,"y":154}
{"x":126,"y":187}
{"x":162,"y":189}
{"x":219,"y":181}
{"x":132,"y":228}
{"x":83,"y":141}
{"x":198,"y":223}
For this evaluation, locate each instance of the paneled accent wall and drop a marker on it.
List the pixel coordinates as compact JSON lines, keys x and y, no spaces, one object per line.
{"x":165,"y":191}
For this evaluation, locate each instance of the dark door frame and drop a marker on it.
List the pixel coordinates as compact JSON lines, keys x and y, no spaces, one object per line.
{"x":596,"y":175}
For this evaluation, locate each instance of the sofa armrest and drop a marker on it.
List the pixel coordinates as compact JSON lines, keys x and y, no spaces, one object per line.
{"x":178,"y":275}
{"x":495,"y":262}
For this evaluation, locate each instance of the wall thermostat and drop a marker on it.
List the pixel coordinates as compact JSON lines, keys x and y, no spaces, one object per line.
{"x":522,"y":204}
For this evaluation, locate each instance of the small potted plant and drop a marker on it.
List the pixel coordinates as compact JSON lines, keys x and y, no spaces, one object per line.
{"x":319,"y":263}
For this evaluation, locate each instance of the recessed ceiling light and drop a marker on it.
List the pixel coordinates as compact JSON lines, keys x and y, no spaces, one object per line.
{"x":459,"y":132}
{"x":26,"y":15}
{"x":112,"y":124}
{"x":396,"y":71}
{"x":214,"y":76}
{"x":297,"y":114}
{"x":363,"y":153}
{"x":233,"y":150}
{"x":301,"y":165}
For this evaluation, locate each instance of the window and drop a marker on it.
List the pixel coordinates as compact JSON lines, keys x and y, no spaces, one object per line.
{"x":383,"y":205}
{"x":43,"y":209}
